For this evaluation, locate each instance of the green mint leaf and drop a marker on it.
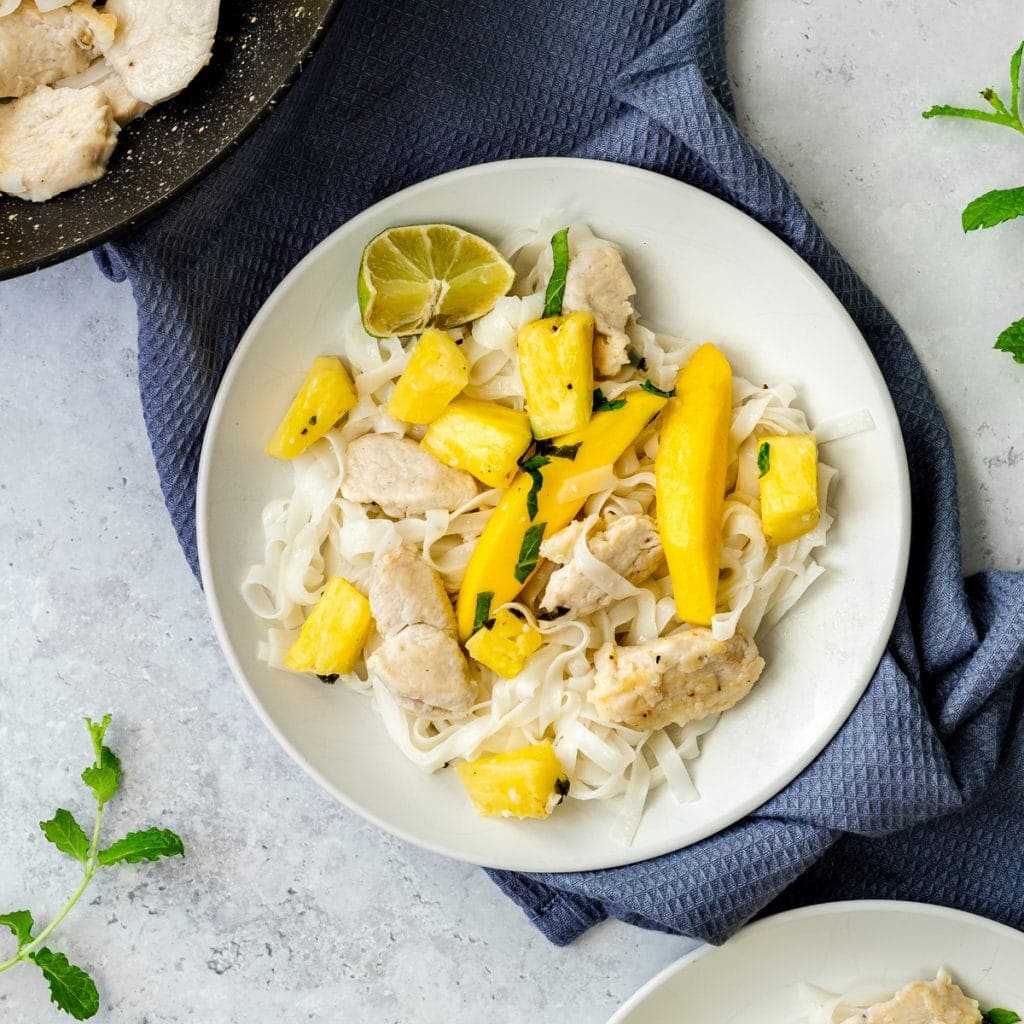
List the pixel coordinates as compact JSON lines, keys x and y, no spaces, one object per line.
{"x":1015,"y":81}
{"x":555,"y":294}
{"x":942,"y":110}
{"x":483,"y":609}
{"x":991,"y":97}
{"x":999,"y":1016}
{"x":1012,"y":341}
{"x":97,"y":730}
{"x":20,"y":922}
{"x":602,"y":404}
{"x":136,"y":847}
{"x":533,"y":466}
{"x":71,"y":988}
{"x":993,"y":208}
{"x":559,"y":451}
{"x":67,"y":835}
{"x":529,"y":552}
{"x":764,"y":458}
{"x":102,"y":780}
{"x":648,"y":386}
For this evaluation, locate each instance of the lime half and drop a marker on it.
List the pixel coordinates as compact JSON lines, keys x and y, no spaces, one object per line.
{"x":428,"y":275}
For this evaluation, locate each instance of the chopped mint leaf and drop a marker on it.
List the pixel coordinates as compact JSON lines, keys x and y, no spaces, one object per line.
{"x":529,"y":552}
{"x":136,"y":847}
{"x":648,"y":386}
{"x":20,"y":922}
{"x":602,"y":404}
{"x":1000,"y":1016}
{"x":555,"y":293}
{"x":533,"y":466}
{"x":993,"y":208}
{"x":71,"y":988}
{"x":764,"y":458}
{"x":1012,"y":341}
{"x":483,"y":609}
{"x":67,"y":835}
{"x":559,"y":451}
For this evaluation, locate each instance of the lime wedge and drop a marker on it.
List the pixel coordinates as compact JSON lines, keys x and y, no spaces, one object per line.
{"x":428,"y":275}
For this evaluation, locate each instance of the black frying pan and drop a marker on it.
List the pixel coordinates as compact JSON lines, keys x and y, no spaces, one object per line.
{"x":260,"y":48}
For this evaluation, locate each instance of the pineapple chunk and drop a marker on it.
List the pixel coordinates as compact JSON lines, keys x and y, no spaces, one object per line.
{"x":556,"y":363}
{"x":505,"y":645}
{"x":482,"y":438}
{"x":325,"y":396}
{"x":525,"y":783}
{"x":789,"y":486}
{"x":332,"y":637}
{"x":436,"y":373}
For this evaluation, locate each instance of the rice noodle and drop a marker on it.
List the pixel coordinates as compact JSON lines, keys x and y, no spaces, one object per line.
{"x":314,"y":533}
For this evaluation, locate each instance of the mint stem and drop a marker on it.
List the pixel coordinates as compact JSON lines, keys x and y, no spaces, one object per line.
{"x":90,"y":869}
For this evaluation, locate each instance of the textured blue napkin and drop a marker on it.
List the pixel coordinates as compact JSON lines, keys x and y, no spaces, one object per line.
{"x":921,"y":795}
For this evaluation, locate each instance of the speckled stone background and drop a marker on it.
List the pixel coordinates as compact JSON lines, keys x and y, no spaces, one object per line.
{"x":289,"y":908}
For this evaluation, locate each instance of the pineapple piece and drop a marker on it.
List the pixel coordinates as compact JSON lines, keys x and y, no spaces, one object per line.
{"x":333,"y":635}
{"x":506,"y":644}
{"x":788,"y":466}
{"x":437,"y":371}
{"x":325,"y":396}
{"x":556,"y":363}
{"x":525,"y":783}
{"x":482,"y":438}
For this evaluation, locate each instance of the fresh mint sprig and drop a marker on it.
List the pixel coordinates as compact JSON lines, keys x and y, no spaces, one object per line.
{"x":1000,"y":205}
{"x":1001,"y":113}
{"x":71,"y":988}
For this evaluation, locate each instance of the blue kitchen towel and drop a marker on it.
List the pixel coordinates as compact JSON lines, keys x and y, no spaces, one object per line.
{"x":921,"y":794}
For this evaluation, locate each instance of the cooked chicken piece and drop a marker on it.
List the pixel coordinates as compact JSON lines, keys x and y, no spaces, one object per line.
{"x":420,"y":661}
{"x":397,"y":474}
{"x":679,"y":678}
{"x":39,"y":48}
{"x":598,"y":282}
{"x":426,"y":671}
{"x":923,"y":1002}
{"x":161,"y":46}
{"x":627,"y":544}
{"x":405,"y":590}
{"x":54,"y":139}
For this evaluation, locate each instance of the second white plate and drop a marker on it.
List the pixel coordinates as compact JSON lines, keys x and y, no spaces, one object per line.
{"x":703,"y":270}
{"x":873,"y":947}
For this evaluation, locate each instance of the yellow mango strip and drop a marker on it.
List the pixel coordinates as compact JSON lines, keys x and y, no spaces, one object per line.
{"x":690,"y":481}
{"x":501,"y":562}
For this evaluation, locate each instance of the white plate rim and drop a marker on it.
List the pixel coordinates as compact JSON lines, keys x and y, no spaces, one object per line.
{"x":758,"y":796}
{"x":806,"y":913}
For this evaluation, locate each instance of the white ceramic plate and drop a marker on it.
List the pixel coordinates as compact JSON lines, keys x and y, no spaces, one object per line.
{"x":702,"y":270}
{"x":869,"y":947}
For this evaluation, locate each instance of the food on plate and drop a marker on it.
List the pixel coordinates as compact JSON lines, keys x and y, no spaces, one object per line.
{"x":332,"y":637}
{"x":681,"y":677}
{"x":556,"y":363}
{"x":525,"y":783}
{"x":689,"y":473}
{"x":503,"y":643}
{"x":402,"y":478}
{"x":554,"y":514}
{"x":483,"y":438}
{"x":788,"y":471}
{"x":419,"y":660}
{"x":325,"y":396}
{"x":939,"y":1001}
{"x":437,"y":373}
{"x":72,"y":74}
{"x":428,"y":275}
